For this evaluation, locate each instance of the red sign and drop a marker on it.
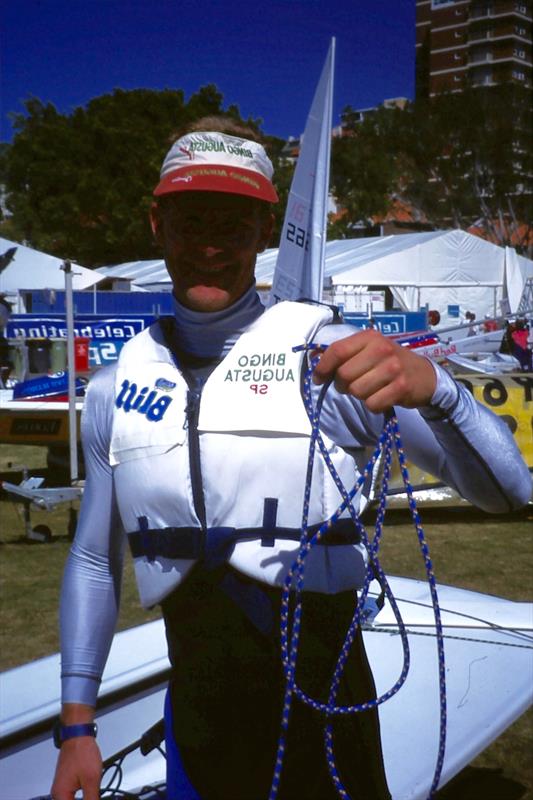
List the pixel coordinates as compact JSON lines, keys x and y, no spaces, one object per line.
{"x":81,"y":354}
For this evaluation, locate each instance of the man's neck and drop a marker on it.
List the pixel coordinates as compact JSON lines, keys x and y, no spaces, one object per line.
{"x":212,"y":334}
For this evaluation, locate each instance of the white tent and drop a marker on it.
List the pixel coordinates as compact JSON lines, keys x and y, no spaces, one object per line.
{"x":28,"y":269}
{"x":518,"y":276}
{"x":144,"y":275}
{"x":440,"y":268}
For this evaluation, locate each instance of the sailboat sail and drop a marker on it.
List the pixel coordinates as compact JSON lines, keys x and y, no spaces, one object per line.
{"x":300,"y":265}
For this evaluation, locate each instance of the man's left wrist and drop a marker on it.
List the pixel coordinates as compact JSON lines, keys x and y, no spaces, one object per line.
{"x":62,"y":733}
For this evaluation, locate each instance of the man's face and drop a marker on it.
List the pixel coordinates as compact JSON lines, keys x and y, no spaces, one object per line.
{"x":210,"y":241}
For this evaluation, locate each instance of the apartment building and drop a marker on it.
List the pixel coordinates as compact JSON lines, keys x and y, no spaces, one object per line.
{"x":463,"y":43}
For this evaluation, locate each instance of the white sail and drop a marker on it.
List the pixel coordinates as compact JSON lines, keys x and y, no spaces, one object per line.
{"x":300,"y":265}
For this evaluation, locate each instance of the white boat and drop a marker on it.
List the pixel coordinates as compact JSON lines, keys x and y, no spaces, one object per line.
{"x":488,"y":645}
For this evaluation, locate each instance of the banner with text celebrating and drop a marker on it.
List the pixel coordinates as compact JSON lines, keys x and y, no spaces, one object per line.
{"x":106,"y":334}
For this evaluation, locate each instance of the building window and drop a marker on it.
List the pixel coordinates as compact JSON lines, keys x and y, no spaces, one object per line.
{"x":457,"y":78}
{"x":437,"y":3}
{"x":519,"y":53}
{"x":520,"y":7}
{"x":456,"y":57}
{"x":518,"y":75}
{"x":520,"y":30}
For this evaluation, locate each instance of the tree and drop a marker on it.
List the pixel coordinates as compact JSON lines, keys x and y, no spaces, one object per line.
{"x":457,"y":160}
{"x":470,"y":162}
{"x":79,"y":185}
{"x":364,"y":170}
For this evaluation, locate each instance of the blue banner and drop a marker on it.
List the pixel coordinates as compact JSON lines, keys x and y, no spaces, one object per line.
{"x":53,"y":326}
{"x":107,"y":334}
{"x":390,"y":323}
{"x":46,"y":386}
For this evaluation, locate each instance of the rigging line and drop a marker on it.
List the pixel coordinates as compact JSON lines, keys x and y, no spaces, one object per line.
{"x":424,"y":548}
{"x":289,"y":660}
{"x":392,"y":632}
{"x":372,"y":548}
{"x":392,"y":421}
{"x":389,"y":440}
{"x":491,"y":625}
{"x":516,"y":631}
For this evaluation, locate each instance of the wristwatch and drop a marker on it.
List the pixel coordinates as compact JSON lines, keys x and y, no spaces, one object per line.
{"x":63,"y":732}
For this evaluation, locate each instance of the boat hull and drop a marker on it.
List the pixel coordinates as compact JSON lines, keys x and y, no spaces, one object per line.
{"x":489,"y":664}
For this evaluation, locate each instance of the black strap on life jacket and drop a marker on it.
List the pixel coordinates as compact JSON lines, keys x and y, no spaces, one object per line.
{"x":215,"y":545}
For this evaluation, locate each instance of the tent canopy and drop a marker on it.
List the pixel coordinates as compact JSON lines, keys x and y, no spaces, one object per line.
{"x":440,"y":268}
{"x":28,"y":269}
{"x":143,"y":274}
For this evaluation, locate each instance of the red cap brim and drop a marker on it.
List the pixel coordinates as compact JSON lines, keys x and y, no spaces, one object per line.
{"x":217,"y":178}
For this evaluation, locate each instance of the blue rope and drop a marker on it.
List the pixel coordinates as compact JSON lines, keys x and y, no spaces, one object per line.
{"x":293,"y":585}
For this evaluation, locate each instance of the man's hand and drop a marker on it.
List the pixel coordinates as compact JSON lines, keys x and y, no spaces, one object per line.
{"x":79,"y":766}
{"x":375,"y":369}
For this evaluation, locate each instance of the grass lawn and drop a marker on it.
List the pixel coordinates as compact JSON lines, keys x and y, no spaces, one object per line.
{"x":469,"y":549}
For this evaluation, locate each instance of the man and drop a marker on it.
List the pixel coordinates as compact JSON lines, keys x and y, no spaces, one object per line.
{"x":469,"y":319}
{"x":196,"y":445}
{"x":520,"y":346}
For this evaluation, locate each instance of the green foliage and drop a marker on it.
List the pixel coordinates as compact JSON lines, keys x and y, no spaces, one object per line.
{"x":79,"y":185}
{"x":456,"y":159}
{"x":363,"y":166}
{"x":471,"y":157}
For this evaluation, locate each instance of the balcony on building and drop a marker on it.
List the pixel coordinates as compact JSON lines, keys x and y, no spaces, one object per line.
{"x":499,"y":9}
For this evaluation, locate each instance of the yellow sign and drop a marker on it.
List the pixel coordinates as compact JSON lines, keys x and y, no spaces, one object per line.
{"x":511,"y":397}
{"x":34,"y":427}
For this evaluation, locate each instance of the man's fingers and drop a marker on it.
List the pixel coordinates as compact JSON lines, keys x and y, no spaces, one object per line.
{"x":336,"y":355}
{"x":348,"y":360}
{"x":378,"y":371}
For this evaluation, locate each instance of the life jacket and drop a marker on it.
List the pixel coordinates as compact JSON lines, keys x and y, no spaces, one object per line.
{"x":520,"y":336}
{"x":218,"y":473}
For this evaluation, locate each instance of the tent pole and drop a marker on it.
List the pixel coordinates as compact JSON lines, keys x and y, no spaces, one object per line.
{"x":71,"y":366}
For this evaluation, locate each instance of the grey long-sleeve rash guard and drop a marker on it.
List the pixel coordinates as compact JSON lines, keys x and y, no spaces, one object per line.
{"x":456,"y":439}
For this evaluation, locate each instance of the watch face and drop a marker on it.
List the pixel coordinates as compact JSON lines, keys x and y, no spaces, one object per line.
{"x":56,"y":733}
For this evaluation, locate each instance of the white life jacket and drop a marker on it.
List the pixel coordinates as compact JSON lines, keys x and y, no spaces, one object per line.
{"x":238,"y":471}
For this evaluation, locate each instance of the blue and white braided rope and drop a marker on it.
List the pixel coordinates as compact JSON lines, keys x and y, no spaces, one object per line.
{"x":388,"y":442}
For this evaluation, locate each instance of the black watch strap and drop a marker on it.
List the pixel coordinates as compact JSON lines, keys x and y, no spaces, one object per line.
{"x":62,"y":733}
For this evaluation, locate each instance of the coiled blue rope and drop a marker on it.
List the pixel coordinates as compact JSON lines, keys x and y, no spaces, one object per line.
{"x":389,"y":442}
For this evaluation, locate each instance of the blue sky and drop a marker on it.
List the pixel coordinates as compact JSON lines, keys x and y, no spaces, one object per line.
{"x":264,"y":56}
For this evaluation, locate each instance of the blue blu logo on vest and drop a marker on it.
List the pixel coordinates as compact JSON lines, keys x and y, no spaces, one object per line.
{"x":164,"y":385}
{"x":144,"y":401}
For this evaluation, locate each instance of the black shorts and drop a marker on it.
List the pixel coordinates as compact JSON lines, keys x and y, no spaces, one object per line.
{"x":227,"y":690}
